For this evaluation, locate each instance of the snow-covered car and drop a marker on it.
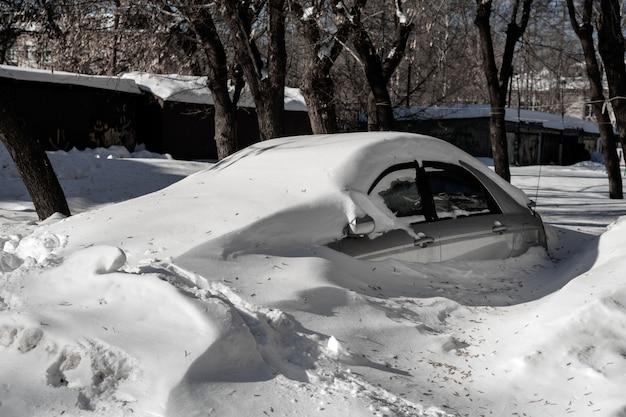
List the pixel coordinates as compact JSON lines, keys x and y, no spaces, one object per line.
{"x":414,"y":197}
{"x":370,"y":195}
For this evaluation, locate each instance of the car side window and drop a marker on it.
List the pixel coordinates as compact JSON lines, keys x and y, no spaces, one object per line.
{"x":397,"y":191}
{"x":456,"y":192}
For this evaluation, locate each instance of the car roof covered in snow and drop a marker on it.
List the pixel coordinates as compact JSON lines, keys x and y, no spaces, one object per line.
{"x":351,"y":161}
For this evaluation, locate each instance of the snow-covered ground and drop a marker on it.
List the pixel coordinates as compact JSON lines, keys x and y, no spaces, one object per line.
{"x":302,"y":332}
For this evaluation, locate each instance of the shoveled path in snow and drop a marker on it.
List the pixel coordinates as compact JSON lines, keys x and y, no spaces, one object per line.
{"x":574,"y":197}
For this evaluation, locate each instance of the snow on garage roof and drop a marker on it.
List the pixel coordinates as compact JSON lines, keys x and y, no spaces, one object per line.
{"x":168,"y":87}
{"x":479,"y":111}
{"x":62,"y":77}
{"x":193,"y":89}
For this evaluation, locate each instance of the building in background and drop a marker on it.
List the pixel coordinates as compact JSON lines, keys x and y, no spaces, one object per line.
{"x":533,"y":137}
{"x":168,"y":113}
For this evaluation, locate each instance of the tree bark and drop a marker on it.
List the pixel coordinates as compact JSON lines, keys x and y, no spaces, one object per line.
{"x":31,"y":161}
{"x":611,"y":49}
{"x":378,"y":71}
{"x":266,"y":80}
{"x":318,"y":89}
{"x":379,"y":110}
{"x":225,"y":116}
{"x":584,"y":31}
{"x":116,"y":39}
{"x":317,"y":85}
{"x":498,"y":83}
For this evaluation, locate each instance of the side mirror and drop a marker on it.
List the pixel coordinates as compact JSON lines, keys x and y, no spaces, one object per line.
{"x":361,"y":226}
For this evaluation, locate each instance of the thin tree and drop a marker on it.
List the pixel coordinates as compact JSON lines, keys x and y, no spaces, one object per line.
{"x":498,"y":81}
{"x":29,"y":156}
{"x":584,"y":31}
{"x":199,"y":16}
{"x":611,"y":49}
{"x":30,"y":159}
{"x":378,"y":70}
{"x":264,"y":77}
{"x":321,"y":50}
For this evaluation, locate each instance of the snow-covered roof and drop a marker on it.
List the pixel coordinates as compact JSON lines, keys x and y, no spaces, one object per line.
{"x":62,"y":77}
{"x":479,"y":111}
{"x":193,"y":89}
{"x":168,"y":87}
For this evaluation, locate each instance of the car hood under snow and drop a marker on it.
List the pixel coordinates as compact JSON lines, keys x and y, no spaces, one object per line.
{"x":278,"y":193}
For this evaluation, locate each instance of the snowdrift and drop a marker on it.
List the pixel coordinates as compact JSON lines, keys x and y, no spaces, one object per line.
{"x":124,"y":310}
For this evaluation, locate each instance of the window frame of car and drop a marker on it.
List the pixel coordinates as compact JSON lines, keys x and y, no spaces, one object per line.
{"x":424,"y":190}
{"x":415,"y":166}
{"x":492,"y":204}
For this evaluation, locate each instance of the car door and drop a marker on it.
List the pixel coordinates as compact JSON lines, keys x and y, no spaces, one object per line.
{"x":532,"y":234}
{"x":395,"y":193}
{"x":471,"y":225}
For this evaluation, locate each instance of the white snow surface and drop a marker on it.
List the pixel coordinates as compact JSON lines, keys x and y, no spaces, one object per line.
{"x":193,"y":89}
{"x":61,"y":77}
{"x":475,"y":111}
{"x":111,"y":313}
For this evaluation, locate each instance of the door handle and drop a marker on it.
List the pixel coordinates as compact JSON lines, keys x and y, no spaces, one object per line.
{"x":498,"y":228}
{"x":422,"y":241}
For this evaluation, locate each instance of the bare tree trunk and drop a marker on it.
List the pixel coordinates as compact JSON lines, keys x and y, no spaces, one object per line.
{"x":322,"y":49}
{"x":273,"y":85}
{"x":32,"y":163}
{"x":378,"y":71}
{"x":584,"y":31}
{"x":499,"y":143}
{"x":611,"y":48}
{"x":225,"y":131}
{"x":225,"y":115}
{"x":319,"y":91}
{"x":266,"y":80}
{"x":379,"y":110}
{"x":498,"y":84}
{"x":116,"y":39}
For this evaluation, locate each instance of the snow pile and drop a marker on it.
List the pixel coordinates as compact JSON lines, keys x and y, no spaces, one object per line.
{"x":37,"y":248}
{"x":591,"y":165}
{"x":193,"y":89}
{"x":72,"y":170}
{"x":75,"y":328}
{"x":79,"y":338}
{"x":94,"y":177}
{"x":173,"y":87}
{"x":194,"y":300}
{"x":575,"y":339}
